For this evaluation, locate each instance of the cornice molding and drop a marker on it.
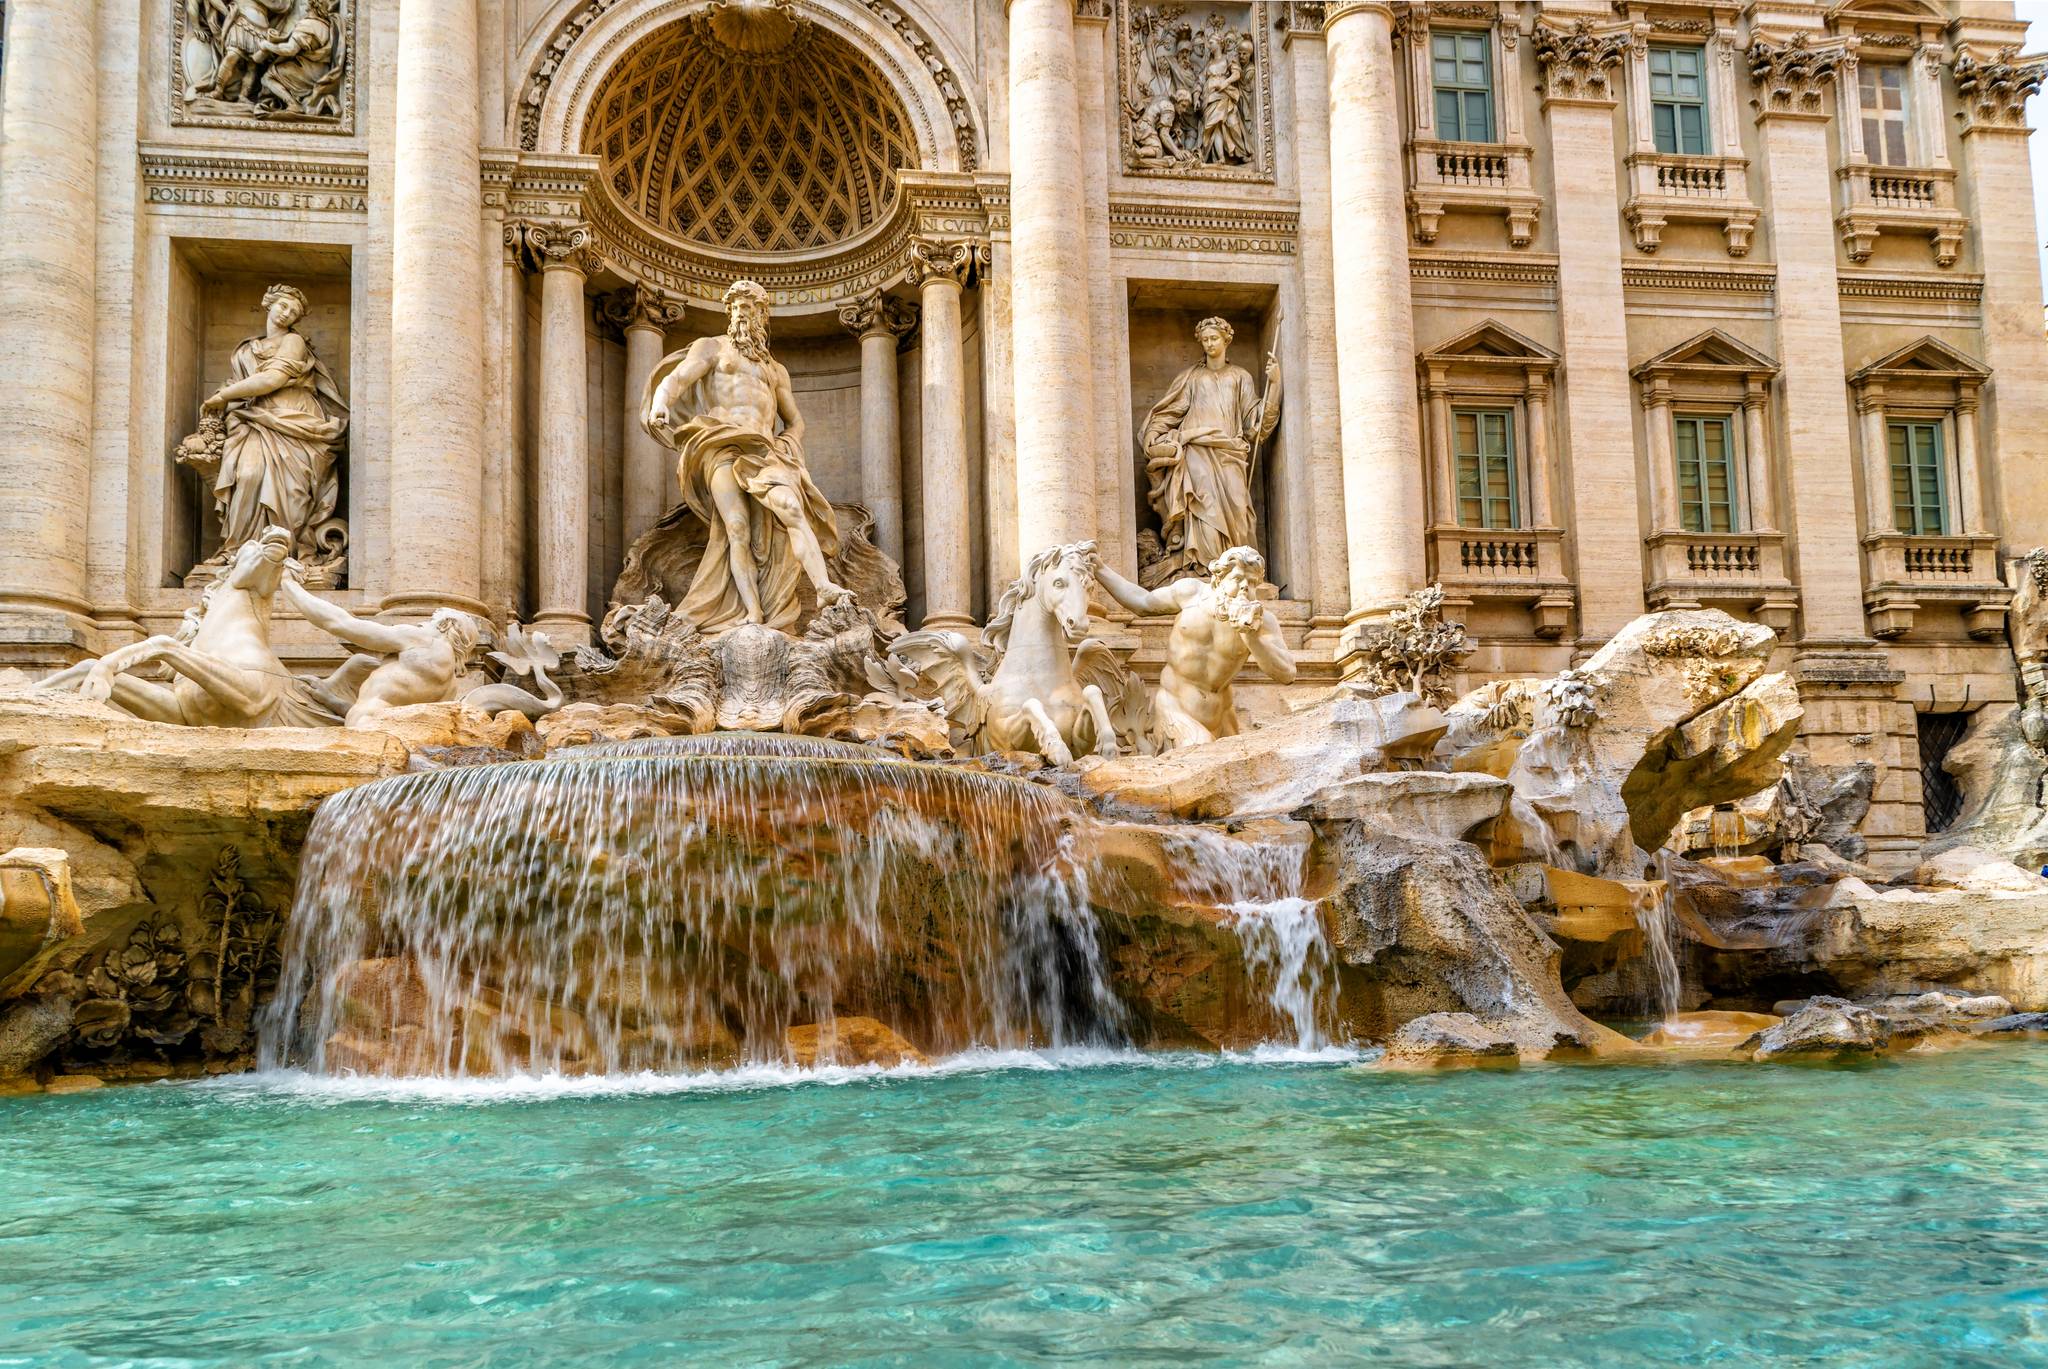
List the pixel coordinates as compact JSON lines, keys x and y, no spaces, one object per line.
{"x":227,"y":178}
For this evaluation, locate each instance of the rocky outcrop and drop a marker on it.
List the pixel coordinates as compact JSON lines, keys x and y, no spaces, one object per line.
{"x":1877,"y":942}
{"x":1824,"y":1029}
{"x":1424,"y":927}
{"x":2004,"y":782}
{"x":1281,"y":766}
{"x":1443,"y":1040}
{"x":851,"y":1041}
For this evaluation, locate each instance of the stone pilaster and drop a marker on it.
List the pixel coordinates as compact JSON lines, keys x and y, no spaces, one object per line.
{"x":436,"y":328}
{"x":48,"y":174}
{"x":644,"y":315}
{"x":1580,"y":85}
{"x":1374,"y":317}
{"x":941,"y":271}
{"x":1820,"y":519}
{"x":2012,"y":429}
{"x":880,"y":321}
{"x":564,"y":446}
{"x":1049,"y":304}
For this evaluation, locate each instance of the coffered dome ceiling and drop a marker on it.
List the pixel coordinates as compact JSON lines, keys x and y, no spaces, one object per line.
{"x":708,"y":139}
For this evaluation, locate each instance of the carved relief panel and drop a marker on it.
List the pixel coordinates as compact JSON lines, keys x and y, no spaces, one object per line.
{"x":1195,"y":85}
{"x":286,"y":64}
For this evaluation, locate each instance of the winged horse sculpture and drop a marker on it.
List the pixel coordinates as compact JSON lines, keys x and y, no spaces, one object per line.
{"x":1042,"y":696}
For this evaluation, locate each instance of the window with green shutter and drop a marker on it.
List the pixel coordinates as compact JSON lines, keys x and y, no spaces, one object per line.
{"x":1484,"y":441}
{"x":1678,"y":100}
{"x":1706,"y":473}
{"x":1919,"y":480}
{"x":1463,"y":76}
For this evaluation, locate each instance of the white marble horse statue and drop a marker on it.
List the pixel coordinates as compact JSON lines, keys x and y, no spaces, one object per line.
{"x":1043,"y":695}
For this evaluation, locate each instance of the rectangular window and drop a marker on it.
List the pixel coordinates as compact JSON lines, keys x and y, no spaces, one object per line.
{"x":1678,"y":100}
{"x":1706,"y":473}
{"x":1919,"y":480}
{"x":1882,"y":91}
{"x":1484,"y":440}
{"x":1463,"y":75}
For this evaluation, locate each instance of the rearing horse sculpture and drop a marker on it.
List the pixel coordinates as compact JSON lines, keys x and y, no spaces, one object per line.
{"x":1042,"y":696}
{"x":227,"y":675}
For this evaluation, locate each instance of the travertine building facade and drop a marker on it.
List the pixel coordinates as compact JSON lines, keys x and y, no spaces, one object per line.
{"x":1577,"y":308}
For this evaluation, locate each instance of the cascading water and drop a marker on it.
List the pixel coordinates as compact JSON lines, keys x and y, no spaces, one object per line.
{"x":681,"y":903}
{"x":1286,"y":950}
{"x":1657,"y":914}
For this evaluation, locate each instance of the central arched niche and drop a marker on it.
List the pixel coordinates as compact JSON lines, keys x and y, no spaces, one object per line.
{"x":745,"y":130}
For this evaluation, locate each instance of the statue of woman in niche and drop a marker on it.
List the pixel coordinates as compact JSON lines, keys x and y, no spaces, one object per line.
{"x":268,"y":443}
{"x":1199,"y":440}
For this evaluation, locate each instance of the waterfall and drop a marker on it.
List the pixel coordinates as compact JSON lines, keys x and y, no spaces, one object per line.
{"x":680,"y":904}
{"x":1657,"y":914}
{"x":1285,"y":946}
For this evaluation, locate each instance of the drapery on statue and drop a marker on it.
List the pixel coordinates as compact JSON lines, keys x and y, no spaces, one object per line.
{"x":2027,"y":622}
{"x":740,"y":459}
{"x":1199,"y":441}
{"x":1219,"y":625}
{"x":263,"y":59}
{"x":267,"y":446}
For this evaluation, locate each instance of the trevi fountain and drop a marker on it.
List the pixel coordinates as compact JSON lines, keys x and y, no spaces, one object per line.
{"x":962,"y":702}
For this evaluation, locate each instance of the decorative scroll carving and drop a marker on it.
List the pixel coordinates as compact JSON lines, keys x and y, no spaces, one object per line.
{"x":1194,"y":91}
{"x":283,"y":64}
{"x":1996,"y":91}
{"x":640,"y":305}
{"x":964,"y":259}
{"x":876,"y":312}
{"x":554,"y":246}
{"x":1576,"y":61}
{"x":1791,"y":77}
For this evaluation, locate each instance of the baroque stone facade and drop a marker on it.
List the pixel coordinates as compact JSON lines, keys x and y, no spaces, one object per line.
{"x":1583,"y":309}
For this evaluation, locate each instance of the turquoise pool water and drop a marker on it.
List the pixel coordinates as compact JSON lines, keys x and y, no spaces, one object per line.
{"x":1164,"y":1212}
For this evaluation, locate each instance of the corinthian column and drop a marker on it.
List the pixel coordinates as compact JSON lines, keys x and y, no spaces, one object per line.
{"x":941,"y":270}
{"x":48,"y":169}
{"x":436,"y":324}
{"x":1049,"y":283}
{"x":878,"y":320}
{"x":564,"y":434}
{"x":644,"y":315}
{"x":1375,"y":325}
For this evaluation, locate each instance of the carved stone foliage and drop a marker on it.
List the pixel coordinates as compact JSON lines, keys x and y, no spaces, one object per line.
{"x":1577,"y":62}
{"x":1791,"y":77}
{"x":173,"y":987}
{"x":1996,"y":90}
{"x":1414,"y":649}
{"x":876,"y":312}
{"x":964,"y":259}
{"x":640,"y":305}
{"x":1195,"y":90}
{"x":286,"y":64}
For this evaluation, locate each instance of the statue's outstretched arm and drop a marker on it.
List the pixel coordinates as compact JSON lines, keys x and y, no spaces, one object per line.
{"x":1136,"y":597}
{"x":338,"y":622}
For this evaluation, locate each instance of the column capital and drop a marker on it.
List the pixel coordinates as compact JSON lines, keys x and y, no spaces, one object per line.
{"x":1576,"y":60}
{"x":878,"y":315}
{"x":640,"y":305}
{"x":965,"y":260}
{"x":1995,"y":89}
{"x":1792,"y":77}
{"x":555,"y":246}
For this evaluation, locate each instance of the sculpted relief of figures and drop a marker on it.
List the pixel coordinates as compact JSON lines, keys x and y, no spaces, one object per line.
{"x":1201,"y":443}
{"x":270,"y":62}
{"x":268,"y":447}
{"x":1191,"y":90}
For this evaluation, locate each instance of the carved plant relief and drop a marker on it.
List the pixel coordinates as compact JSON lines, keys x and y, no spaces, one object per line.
{"x":264,"y":64}
{"x":1193,"y":91}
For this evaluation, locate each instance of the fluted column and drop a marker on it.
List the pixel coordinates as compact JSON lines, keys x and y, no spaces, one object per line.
{"x":941,"y":270}
{"x":1383,"y":487}
{"x":1049,"y":283}
{"x":564,"y":434}
{"x":436,"y":327}
{"x":644,"y":315}
{"x":879,"y":321}
{"x":48,"y":205}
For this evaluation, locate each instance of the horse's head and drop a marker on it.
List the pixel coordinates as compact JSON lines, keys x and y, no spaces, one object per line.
{"x":1060,"y":577}
{"x":259,"y":562}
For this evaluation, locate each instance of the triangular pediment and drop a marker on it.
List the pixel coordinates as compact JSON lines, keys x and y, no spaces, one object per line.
{"x":1913,"y":11}
{"x":1711,"y":350}
{"x":1929,"y":357}
{"x":1492,"y":341}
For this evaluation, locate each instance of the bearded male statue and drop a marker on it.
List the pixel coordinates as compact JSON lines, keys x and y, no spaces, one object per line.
{"x":1219,"y":625}
{"x":726,"y":408}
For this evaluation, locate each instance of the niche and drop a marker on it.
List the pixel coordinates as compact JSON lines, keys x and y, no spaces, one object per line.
{"x":215,"y":305}
{"x":1163,"y":345}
